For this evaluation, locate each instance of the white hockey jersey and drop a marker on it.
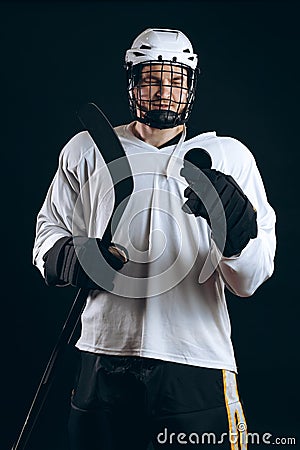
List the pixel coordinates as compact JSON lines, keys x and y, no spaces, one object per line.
{"x":169,"y":299}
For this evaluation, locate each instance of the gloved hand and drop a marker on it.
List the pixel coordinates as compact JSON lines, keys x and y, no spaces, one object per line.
{"x":241,"y":225}
{"x":83,"y":262}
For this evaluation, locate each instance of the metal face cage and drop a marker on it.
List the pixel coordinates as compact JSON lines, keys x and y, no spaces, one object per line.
{"x":161,"y":93}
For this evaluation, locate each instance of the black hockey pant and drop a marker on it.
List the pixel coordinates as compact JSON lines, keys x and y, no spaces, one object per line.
{"x":129,"y":402}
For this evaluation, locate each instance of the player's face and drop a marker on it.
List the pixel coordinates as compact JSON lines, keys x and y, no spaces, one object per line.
{"x":163,"y":87}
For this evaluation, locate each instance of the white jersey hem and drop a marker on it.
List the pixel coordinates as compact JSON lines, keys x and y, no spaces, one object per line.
{"x":164,"y":357}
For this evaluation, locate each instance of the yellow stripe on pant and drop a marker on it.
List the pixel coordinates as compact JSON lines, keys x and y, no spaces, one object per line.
{"x":236,"y":419}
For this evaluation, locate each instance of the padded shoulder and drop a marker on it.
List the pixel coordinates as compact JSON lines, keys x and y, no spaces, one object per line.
{"x":76,"y":148}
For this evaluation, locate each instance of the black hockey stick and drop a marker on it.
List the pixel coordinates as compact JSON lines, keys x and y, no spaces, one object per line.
{"x":108,"y":143}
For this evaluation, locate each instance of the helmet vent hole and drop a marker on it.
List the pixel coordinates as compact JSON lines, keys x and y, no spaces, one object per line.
{"x":187,"y":50}
{"x":138,"y":54}
{"x":145,"y":47}
{"x":191,"y":58}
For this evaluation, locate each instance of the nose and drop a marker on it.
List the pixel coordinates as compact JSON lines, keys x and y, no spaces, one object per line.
{"x":164,"y":91}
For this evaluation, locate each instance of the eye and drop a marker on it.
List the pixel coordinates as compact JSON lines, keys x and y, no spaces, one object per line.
{"x":150,"y":81}
{"x":177,"y":81}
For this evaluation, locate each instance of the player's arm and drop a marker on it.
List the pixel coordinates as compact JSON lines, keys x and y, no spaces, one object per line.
{"x":244,"y":256}
{"x":243,"y":274}
{"x":54,"y":220}
{"x":62,"y":258}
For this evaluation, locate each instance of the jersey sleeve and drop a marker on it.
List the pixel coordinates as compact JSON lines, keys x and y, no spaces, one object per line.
{"x":244,"y":273}
{"x":55,"y":218}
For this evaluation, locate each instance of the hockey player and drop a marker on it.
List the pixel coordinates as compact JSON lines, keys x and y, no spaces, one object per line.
{"x":157,"y":361}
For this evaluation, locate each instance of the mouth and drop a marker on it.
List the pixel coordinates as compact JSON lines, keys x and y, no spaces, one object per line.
{"x":159,"y":106}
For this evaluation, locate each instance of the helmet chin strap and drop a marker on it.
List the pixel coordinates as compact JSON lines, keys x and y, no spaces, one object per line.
{"x":161,"y":119}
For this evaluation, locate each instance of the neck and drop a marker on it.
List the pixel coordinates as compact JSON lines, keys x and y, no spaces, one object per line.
{"x":155,"y":136}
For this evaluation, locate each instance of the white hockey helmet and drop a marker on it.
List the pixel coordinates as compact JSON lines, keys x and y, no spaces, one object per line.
{"x":172,"y":51}
{"x":156,"y":44}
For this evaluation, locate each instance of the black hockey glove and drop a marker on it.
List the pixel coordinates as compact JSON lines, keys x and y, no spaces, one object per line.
{"x":240,"y":216}
{"x":82,"y":262}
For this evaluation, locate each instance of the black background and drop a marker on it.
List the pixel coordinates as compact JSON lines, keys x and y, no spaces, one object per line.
{"x":57,"y":55}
